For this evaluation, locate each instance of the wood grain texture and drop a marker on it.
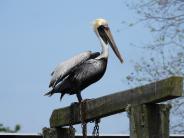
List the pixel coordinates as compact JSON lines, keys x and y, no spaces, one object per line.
{"x":58,"y":133}
{"x":149,"y":121}
{"x":117,"y":102}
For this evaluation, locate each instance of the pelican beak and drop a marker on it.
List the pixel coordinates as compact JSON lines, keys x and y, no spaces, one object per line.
{"x":107,"y":37}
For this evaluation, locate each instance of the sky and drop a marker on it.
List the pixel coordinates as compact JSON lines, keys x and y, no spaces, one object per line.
{"x":36,"y":35}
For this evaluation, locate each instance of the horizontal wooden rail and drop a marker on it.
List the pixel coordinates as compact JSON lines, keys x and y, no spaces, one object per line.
{"x":117,"y":102}
{"x":19,"y":135}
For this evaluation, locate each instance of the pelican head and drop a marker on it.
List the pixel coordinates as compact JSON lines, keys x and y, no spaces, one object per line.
{"x":102,"y":30}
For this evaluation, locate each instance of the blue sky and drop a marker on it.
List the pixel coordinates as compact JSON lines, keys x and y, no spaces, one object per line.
{"x":36,"y":35}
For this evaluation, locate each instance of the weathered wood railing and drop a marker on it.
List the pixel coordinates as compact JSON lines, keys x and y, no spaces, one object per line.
{"x":22,"y":135}
{"x":147,"y":118}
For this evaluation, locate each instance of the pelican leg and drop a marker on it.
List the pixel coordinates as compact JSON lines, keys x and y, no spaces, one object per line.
{"x":62,"y":94}
{"x":79,"y":97}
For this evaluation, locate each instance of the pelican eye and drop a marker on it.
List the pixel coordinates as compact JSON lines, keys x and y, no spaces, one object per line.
{"x":100,"y":28}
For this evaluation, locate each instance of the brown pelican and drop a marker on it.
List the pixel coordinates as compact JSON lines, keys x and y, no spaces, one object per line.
{"x":84,"y":69}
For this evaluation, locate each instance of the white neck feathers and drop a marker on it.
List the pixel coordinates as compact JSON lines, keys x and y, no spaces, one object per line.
{"x":105,"y":49}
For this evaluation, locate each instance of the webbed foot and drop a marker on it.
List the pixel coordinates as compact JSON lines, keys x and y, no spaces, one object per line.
{"x":74,"y":103}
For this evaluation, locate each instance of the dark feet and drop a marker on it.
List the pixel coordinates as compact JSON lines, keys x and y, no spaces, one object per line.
{"x":85,"y":100}
{"x":74,"y":103}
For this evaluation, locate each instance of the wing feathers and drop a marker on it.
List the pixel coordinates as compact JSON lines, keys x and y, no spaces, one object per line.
{"x":64,"y":68}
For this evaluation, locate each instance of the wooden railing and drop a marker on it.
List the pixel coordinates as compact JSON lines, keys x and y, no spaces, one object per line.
{"x":148,"y":119}
{"x":4,"y":135}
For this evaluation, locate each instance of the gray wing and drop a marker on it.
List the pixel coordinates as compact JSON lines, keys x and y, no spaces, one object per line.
{"x":64,"y":68}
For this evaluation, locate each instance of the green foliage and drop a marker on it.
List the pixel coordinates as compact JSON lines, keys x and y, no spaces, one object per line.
{"x":8,"y":130}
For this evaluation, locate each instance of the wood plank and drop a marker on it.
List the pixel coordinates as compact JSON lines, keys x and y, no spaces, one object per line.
{"x":117,"y":102}
{"x":149,"y":121}
{"x":58,"y":132}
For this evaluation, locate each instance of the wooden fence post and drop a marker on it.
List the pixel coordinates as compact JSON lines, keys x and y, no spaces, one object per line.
{"x":147,"y":118}
{"x":149,"y":121}
{"x":58,"y":133}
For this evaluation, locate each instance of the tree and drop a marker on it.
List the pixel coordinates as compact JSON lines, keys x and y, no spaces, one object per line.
{"x":165,"y":19}
{"x":8,"y":130}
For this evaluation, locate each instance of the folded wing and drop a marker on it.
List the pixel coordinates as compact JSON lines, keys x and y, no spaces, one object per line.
{"x":64,"y":68}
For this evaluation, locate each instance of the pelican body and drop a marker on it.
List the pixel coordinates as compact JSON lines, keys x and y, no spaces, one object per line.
{"x":75,"y":74}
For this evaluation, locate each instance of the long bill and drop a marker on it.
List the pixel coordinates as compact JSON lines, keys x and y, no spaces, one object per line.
{"x":112,"y":43}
